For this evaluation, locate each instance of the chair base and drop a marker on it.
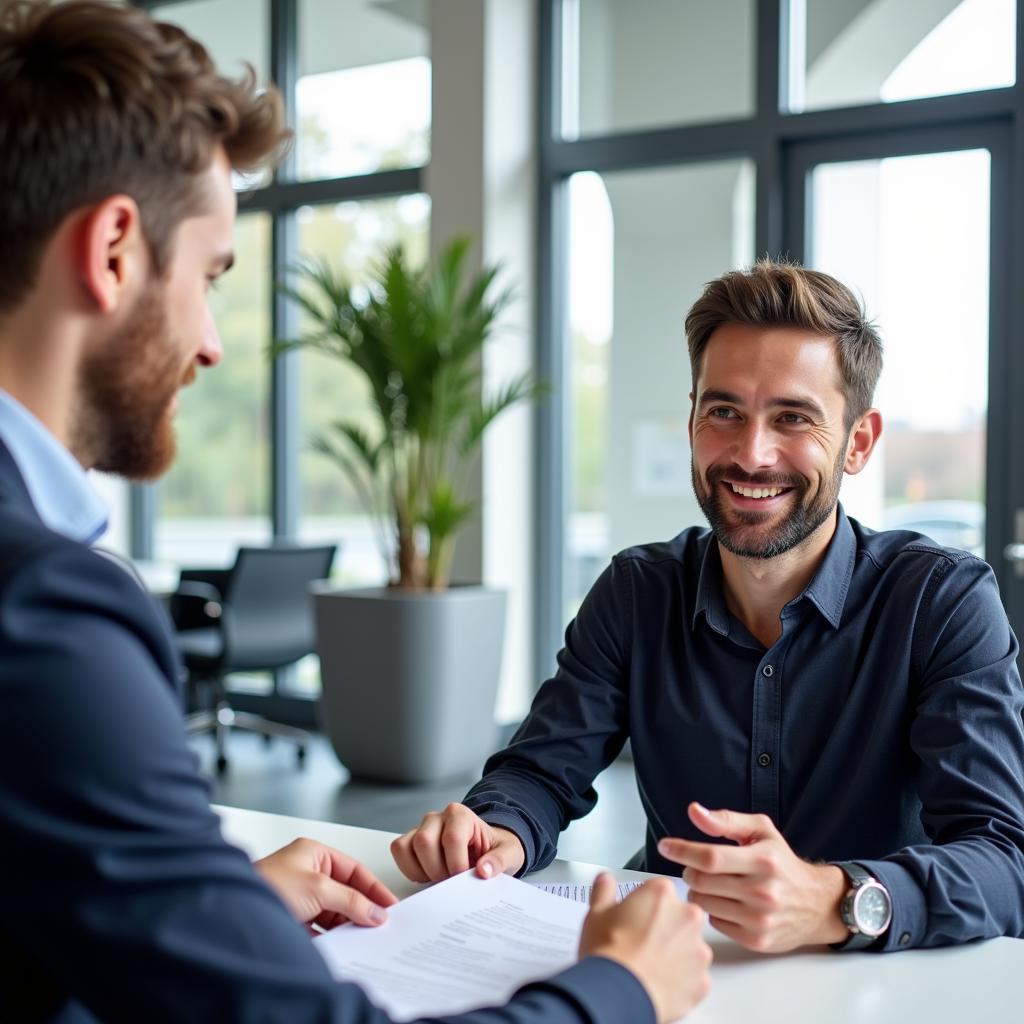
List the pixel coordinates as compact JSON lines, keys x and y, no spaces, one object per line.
{"x":224,"y":717}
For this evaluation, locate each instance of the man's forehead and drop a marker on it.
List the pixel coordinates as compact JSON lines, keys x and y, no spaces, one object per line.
{"x":739,"y":356}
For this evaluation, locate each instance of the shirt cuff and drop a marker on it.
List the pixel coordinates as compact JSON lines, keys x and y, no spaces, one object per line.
{"x":909,"y":909}
{"x":514,"y":823}
{"x":604,"y":990}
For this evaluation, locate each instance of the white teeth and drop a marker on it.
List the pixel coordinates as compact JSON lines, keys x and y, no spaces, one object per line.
{"x":757,"y":492}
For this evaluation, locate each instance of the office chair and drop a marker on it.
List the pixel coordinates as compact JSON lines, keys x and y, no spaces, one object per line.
{"x":256,"y":616}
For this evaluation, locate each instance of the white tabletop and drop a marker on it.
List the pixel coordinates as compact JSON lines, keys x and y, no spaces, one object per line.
{"x":974,"y":984}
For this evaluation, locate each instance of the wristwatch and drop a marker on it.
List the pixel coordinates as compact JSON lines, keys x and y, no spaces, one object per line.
{"x":866,"y":909}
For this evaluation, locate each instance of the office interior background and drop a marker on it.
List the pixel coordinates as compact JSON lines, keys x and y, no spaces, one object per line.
{"x":614,"y":156}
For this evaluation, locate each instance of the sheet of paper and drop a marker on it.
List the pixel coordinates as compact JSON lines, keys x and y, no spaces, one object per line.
{"x":463,"y":943}
{"x":581,"y":893}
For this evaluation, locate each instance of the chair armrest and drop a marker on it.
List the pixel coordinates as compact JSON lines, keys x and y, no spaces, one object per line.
{"x":195,"y":606}
{"x":217,"y":578}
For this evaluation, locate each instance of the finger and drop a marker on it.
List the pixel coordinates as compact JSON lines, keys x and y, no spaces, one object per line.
{"x":426,"y":847}
{"x":737,"y":933}
{"x":351,"y":872}
{"x":346,"y":901}
{"x":741,"y":828}
{"x":602,"y":896}
{"x":506,"y":854}
{"x":713,"y":858}
{"x":733,"y":911}
{"x":459,"y":826}
{"x":405,"y":857}
{"x":732,"y":887}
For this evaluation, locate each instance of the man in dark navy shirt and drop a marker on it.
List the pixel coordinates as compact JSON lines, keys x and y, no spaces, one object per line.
{"x":846,"y":701}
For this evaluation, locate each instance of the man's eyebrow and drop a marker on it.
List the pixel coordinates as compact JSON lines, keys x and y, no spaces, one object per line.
{"x":716,"y":395}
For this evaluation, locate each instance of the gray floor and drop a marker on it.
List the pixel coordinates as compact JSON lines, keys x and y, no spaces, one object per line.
{"x":268,"y":778}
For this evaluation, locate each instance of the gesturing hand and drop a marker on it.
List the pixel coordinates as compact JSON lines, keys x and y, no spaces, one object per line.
{"x":759,"y":893}
{"x":656,"y":937}
{"x":451,"y":841}
{"x":325,"y":887}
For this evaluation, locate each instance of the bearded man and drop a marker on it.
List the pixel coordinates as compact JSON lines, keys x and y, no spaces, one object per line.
{"x":121,"y":899}
{"x":847,"y":701}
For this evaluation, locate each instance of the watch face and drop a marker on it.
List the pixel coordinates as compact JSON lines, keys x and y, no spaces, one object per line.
{"x":872,"y":909}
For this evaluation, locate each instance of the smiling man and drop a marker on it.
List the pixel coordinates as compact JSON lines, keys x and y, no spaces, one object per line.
{"x":121,"y":899}
{"x":847,"y":701}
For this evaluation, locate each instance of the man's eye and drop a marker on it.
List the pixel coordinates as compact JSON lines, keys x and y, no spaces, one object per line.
{"x":213,"y":282}
{"x":792,"y":418}
{"x":722,"y":414}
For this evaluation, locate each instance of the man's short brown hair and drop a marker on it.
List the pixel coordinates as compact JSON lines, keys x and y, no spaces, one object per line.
{"x":778,"y":294}
{"x":97,"y":100}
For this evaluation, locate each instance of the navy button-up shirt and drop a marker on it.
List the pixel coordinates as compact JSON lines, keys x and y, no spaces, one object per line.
{"x":883,"y":726}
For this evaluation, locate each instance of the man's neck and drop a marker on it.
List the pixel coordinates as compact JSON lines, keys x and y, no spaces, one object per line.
{"x":38,"y":371}
{"x":757,"y":589}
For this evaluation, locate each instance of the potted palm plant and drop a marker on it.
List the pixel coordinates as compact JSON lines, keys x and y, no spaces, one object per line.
{"x":410,"y":671}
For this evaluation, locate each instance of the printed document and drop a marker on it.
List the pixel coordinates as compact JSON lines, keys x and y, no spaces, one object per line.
{"x":461,"y":944}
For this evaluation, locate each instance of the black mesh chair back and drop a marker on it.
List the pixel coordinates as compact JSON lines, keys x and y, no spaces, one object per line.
{"x":256,"y":616}
{"x":268,"y":613}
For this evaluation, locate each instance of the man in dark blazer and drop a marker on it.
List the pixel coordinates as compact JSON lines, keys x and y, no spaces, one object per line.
{"x":121,"y":900}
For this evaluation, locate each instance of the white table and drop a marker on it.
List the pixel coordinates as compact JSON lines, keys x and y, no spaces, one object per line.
{"x":967,"y":984}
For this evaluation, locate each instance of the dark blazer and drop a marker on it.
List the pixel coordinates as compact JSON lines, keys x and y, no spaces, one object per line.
{"x":119,"y":899}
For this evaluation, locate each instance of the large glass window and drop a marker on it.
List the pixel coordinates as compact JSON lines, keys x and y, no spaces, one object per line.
{"x":925,"y":281}
{"x":641,"y":244}
{"x":847,"y":53}
{"x":655,"y":62}
{"x":353,"y":237}
{"x":217,"y":495}
{"x":364,"y":87}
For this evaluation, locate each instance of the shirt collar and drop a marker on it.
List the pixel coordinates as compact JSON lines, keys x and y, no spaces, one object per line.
{"x":831,"y":583}
{"x":59,"y":487}
{"x":827,"y":591}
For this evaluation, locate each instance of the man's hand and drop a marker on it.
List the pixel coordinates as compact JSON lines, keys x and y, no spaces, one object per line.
{"x":656,"y":937}
{"x":451,"y":841}
{"x":325,"y":887}
{"x":761,"y":894}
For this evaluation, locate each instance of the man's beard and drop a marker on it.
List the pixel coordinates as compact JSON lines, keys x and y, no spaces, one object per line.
{"x":737,"y":530}
{"x":123,"y":422}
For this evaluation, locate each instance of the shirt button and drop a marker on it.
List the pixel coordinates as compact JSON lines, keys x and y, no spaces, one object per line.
{"x":905,"y":939}
{"x":768,"y":671}
{"x":764,"y":760}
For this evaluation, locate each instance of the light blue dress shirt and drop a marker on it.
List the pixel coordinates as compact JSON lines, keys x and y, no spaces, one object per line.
{"x":58,"y":485}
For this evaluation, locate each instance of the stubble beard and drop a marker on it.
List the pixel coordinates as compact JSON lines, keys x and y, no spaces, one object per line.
{"x":123,"y":423}
{"x":737,"y":530}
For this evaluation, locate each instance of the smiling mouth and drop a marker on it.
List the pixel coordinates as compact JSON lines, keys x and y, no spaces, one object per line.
{"x":759,"y":493}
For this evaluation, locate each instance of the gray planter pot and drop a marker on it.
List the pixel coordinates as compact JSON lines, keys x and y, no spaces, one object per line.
{"x":410,"y":679}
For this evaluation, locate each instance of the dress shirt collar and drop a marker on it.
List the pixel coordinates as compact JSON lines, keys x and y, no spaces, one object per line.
{"x":59,"y":487}
{"x":827,"y":591}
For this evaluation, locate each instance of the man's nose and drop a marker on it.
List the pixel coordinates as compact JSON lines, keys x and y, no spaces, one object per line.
{"x":211,"y":351}
{"x":756,"y":448}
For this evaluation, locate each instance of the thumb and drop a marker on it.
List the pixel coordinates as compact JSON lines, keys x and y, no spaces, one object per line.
{"x":505,"y":855}
{"x":602,"y":896}
{"x":350,"y":903}
{"x":741,"y":828}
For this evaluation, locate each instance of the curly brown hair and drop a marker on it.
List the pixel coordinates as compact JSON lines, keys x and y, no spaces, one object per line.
{"x":98,"y":99}
{"x":780,"y":294}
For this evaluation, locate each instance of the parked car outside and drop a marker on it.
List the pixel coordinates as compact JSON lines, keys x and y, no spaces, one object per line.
{"x":954,"y":524}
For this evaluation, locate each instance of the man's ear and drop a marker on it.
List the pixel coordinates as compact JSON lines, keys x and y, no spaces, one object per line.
{"x":689,"y":422}
{"x":113,"y":254}
{"x":863,"y":438}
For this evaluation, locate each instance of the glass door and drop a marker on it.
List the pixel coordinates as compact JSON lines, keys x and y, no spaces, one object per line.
{"x":918,"y":226}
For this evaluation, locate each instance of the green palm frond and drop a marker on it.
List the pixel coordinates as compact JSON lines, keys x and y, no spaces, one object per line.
{"x":417,"y":337}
